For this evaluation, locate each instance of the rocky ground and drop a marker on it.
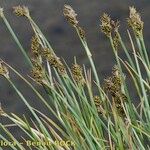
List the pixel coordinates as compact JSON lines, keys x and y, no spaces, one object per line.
{"x":48,"y":15}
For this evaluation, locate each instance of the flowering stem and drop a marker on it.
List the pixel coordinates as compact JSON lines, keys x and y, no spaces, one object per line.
{"x":89,"y":57}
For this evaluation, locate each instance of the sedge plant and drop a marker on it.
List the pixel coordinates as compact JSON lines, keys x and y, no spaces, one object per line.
{"x":83,"y":120}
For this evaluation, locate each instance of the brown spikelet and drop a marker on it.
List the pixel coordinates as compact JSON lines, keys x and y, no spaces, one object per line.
{"x":21,"y":11}
{"x":115,"y":36}
{"x":35,"y":46}
{"x":37,"y":72}
{"x":97,"y":102}
{"x":46,"y":52}
{"x":3,"y":70}
{"x":115,"y":25}
{"x":135,"y":21}
{"x":56,"y":63}
{"x":106,"y":26}
{"x":113,"y":83}
{"x":77,"y":74}
{"x":116,"y":41}
{"x":99,"y":106}
{"x":113,"y":86}
{"x":70,"y":15}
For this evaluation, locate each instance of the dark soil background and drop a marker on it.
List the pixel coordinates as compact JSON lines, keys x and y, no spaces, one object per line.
{"x":48,"y":15}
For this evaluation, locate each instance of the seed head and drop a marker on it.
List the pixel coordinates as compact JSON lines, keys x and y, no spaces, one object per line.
{"x":37,"y":75}
{"x":115,"y":25}
{"x":115,"y":37}
{"x":56,"y":63}
{"x":106,"y":26}
{"x":3,"y":70}
{"x":113,"y":83}
{"x":70,"y":15}
{"x":113,"y":86}
{"x":35,"y":46}
{"x":77,"y":74}
{"x":46,"y":52}
{"x":120,"y":109}
{"x":38,"y":72}
{"x":97,"y":102}
{"x":116,"y":41}
{"x":116,"y":77}
{"x":135,"y":21}
{"x":54,"y":60}
{"x":110,"y":86}
{"x":21,"y":11}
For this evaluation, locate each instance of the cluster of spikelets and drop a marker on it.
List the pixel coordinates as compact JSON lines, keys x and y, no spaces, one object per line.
{"x":113,"y":89}
{"x":47,"y":54}
{"x":113,"y":86}
{"x":21,"y":11}
{"x":37,"y":51}
{"x":108,"y":27}
{"x":135,"y":21}
{"x":3,"y":70}
{"x":71,"y":17}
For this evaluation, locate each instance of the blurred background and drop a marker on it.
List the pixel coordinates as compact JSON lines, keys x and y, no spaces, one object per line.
{"x":48,"y":15}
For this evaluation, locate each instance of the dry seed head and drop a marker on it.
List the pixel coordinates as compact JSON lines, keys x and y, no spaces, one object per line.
{"x":106,"y":26}
{"x":116,"y":41}
{"x":21,"y":11}
{"x":97,"y":100}
{"x":116,"y":77}
{"x":115,"y":38}
{"x":37,"y":64}
{"x":3,"y":70}
{"x":135,"y":21}
{"x":37,"y":75}
{"x":98,"y":104}
{"x":134,"y":14}
{"x":110,"y":86}
{"x":77,"y":74}
{"x":123,"y":97}
{"x":46,"y":52}
{"x":121,"y":112}
{"x":56,"y":63}
{"x":62,"y":69}
{"x":120,"y":109}
{"x":70,"y":15}
{"x":115,"y":25}
{"x":113,"y":86}
{"x":53,"y":60}
{"x":106,"y":19}
{"x":38,"y":72}
{"x":35,"y":46}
